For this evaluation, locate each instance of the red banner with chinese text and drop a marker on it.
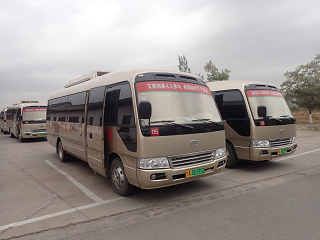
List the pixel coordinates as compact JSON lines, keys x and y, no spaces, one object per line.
{"x":171,"y":86}
{"x":34,"y":109}
{"x":263,"y":93}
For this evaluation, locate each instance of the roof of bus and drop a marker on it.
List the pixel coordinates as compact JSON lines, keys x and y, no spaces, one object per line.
{"x":234,"y":84}
{"x":110,"y":78}
{"x":22,"y":105}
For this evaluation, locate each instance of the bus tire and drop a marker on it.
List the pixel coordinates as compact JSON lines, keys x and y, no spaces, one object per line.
{"x":232,"y":158}
{"x":11,"y":135}
{"x":119,"y":180}
{"x":63,"y":155}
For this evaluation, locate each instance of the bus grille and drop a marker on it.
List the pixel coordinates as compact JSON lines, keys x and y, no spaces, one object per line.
{"x":190,"y":159}
{"x":280,"y":142}
{"x":39,"y":130}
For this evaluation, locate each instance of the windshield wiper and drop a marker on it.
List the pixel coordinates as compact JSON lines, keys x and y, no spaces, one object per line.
{"x":171,"y":122}
{"x":163,"y":121}
{"x":219,"y":124}
{"x":288,"y":117}
{"x":277,"y":120}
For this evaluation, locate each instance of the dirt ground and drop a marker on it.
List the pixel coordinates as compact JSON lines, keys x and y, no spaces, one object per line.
{"x":302,"y":122}
{"x":302,"y":117}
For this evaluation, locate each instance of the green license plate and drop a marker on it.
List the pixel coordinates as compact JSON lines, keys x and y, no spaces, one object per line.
{"x":41,"y":134}
{"x":194,"y":172}
{"x":282,"y":150}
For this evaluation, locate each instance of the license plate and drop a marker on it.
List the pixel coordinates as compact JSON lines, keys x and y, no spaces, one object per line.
{"x":194,"y":172}
{"x":41,"y":134}
{"x":282,"y":150}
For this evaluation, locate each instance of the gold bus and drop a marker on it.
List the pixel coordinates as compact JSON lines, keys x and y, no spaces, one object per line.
{"x":27,"y":119}
{"x":3,"y":121}
{"x":142,"y":128}
{"x":258,"y":122}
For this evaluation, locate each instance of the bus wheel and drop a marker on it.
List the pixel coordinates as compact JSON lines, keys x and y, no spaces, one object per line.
{"x":232,"y":158}
{"x":11,"y":135}
{"x":63,"y":155}
{"x":119,"y":180}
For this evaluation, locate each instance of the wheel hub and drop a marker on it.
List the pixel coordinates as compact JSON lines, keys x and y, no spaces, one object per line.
{"x":118,"y":177}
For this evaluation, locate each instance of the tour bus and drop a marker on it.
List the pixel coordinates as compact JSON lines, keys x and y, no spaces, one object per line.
{"x":258,"y":122}
{"x":27,"y":119}
{"x":142,"y":128}
{"x":3,"y":121}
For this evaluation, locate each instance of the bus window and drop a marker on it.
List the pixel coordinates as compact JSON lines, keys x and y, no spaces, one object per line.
{"x":95,"y":106}
{"x":233,"y":109}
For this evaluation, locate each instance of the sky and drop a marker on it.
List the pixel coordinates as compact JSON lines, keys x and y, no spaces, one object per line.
{"x":45,"y":43}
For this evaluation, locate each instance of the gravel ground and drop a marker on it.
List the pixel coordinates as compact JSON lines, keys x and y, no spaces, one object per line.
{"x":308,"y":127}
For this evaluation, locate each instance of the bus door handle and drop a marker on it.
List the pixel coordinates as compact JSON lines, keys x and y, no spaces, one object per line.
{"x":90,"y":135}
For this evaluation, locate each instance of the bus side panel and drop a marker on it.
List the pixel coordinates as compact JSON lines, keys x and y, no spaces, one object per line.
{"x":241,"y":144}
{"x":114,"y":143}
{"x":74,"y":137}
{"x":95,"y":148}
{"x":11,"y":121}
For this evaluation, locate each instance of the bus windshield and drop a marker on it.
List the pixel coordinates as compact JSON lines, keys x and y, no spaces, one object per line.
{"x":34,"y":114}
{"x":177,"y":102}
{"x":272,"y":100}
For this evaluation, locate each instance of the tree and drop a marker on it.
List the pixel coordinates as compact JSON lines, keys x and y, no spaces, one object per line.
{"x":214,"y":74}
{"x":302,"y":86}
{"x":200,"y":75}
{"x":183,"y":64}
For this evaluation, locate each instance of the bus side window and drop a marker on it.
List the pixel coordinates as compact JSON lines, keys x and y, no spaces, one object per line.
{"x":76,"y":107}
{"x":95,"y":106}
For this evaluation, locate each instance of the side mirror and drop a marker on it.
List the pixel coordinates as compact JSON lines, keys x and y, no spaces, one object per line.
{"x":144,"y":110}
{"x":262,"y":111}
{"x":20,"y":117}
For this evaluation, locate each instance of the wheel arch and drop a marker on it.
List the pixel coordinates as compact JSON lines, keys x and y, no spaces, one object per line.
{"x":228,"y":141}
{"x":108,"y":161}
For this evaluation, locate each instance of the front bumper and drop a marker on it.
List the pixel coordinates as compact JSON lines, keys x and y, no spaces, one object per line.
{"x":261,"y":154}
{"x":33,"y":134}
{"x":171,"y":176}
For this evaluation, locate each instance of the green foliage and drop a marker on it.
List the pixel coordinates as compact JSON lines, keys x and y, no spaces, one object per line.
{"x":211,"y":70}
{"x":183,"y":64}
{"x":302,"y":86}
{"x":200,"y":75}
{"x":214,"y":74}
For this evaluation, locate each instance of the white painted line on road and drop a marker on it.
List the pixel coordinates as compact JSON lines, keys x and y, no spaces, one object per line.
{"x":278,"y":160}
{"x":90,"y":194}
{"x":32,"y":220}
{"x":297,"y":155}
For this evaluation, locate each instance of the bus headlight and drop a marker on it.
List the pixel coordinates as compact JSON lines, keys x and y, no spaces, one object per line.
{"x":26,"y":130}
{"x":293,"y":139}
{"x":220,"y":152}
{"x":260,"y":143}
{"x":153,"y":163}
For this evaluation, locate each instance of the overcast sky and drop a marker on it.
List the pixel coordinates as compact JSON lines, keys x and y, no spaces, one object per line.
{"x":44,"y":44}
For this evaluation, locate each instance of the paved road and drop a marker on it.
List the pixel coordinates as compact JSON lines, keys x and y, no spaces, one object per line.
{"x":42,"y":198}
